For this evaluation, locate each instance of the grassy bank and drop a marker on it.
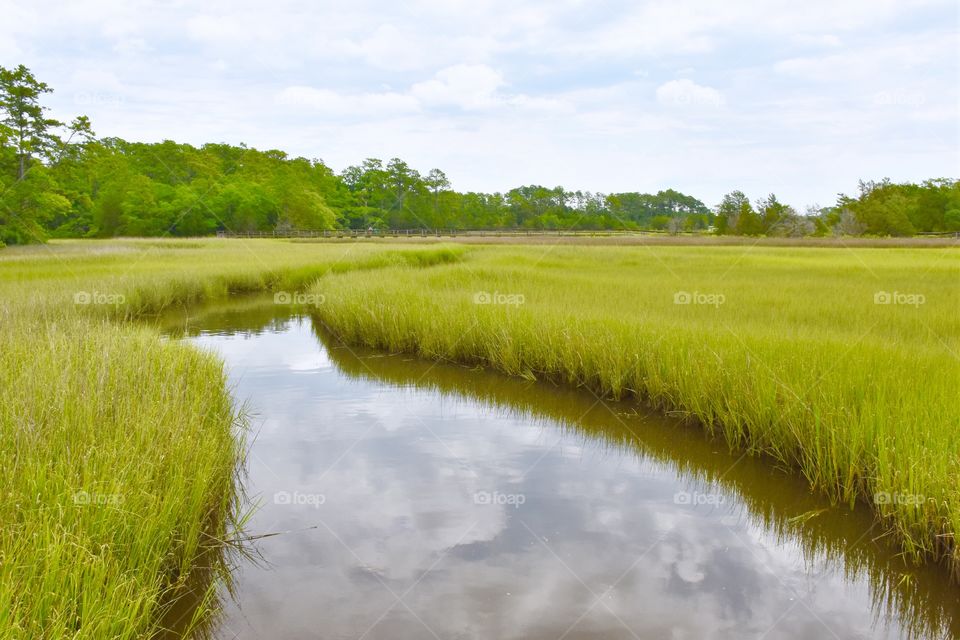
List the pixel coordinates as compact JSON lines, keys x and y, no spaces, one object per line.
{"x":117,"y":450}
{"x":118,"y":461}
{"x":922,"y":597}
{"x":839,"y":363}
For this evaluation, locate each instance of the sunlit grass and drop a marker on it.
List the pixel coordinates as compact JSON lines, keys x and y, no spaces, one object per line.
{"x":790,"y":353}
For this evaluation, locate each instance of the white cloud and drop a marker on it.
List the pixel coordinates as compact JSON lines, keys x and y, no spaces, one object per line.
{"x":540,"y":104}
{"x":468,"y":86}
{"x":390,"y":48}
{"x":9,"y":49}
{"x":331,"y":102}
{"x":686,"y":93}
{"x":131,"y":47}
{"x":824,"y":40}
{"x":215,"y":29}
{"x":921,"y":52}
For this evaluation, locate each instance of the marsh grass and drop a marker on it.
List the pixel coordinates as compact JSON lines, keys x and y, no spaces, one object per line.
{"x":119,"y":455}
{"x":798,"y":361}
{"x":119,"y":451}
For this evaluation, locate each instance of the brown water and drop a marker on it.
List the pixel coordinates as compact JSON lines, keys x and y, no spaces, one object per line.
{"x":421,"y":500}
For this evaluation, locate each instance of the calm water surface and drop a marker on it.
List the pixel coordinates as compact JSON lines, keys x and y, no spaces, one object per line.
{"x":418,"y":500}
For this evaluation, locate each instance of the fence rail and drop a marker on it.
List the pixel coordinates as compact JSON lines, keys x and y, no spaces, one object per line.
{"x":440,"y":233}
{"x":491,"y":233}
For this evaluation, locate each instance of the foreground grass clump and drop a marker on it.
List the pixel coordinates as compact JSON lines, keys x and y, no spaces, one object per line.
{"x":118,"y":456}
{"x":841,"y":363}
{"x":118,"y":451}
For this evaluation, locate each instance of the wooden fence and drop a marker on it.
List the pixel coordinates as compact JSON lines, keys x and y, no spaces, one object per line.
{"x":441,"y":233}
{"x":491,"y":233}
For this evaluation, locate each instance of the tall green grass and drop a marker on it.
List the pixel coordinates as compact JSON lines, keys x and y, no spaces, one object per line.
{"x":118,"y":451}
{"x":798,"y":360}
{"x":118,"y":457}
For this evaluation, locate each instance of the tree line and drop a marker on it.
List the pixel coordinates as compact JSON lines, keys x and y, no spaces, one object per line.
{"x":59,"y":180}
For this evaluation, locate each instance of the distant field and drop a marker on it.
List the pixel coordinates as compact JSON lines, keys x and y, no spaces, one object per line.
{"x":118,"y":450}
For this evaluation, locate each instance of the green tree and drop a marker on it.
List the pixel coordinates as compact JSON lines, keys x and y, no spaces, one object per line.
{"x":952,"y":220}
{"x":735,"y":215}
{"x":24,"y":122}
{"x":28,"y":133}
{"x":772,"y":213}
{"x":29,"y":196}
{"x":437,"y":184}
{"x":404,"y":184}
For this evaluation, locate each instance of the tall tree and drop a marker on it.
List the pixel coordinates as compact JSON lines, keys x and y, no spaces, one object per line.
{"x":23,"y":118}
{"x":30,"y":135}
{"x":437,"y":183}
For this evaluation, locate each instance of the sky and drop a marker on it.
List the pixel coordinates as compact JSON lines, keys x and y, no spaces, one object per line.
{"x":801,"y":99}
